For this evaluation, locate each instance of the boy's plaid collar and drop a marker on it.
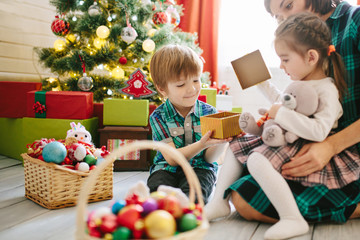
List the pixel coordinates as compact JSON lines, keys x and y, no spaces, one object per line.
{"x":171,"y":112}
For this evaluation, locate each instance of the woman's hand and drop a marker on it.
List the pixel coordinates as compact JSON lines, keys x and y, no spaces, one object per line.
{"x":311,"y":158}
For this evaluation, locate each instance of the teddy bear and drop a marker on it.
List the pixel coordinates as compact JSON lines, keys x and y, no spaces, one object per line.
{"x":298,"y":96}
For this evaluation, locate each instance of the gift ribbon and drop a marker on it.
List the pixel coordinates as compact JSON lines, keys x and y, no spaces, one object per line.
{"x":41,"y":98}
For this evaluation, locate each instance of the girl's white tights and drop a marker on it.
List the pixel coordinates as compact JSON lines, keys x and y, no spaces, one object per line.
{"x":291,"y":222}
{"x":229,"y":173}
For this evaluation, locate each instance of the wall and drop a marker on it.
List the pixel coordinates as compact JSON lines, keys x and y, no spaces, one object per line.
{"x":24,"y":24}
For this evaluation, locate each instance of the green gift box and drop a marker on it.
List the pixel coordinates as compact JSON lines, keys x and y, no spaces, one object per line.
{"x":37,"y":128}
{"x":210,"y":95}
{"x":237,"y":109}
{"x":125,"y":112}
{"x":16,"y":133}
{"x":12,"y":142}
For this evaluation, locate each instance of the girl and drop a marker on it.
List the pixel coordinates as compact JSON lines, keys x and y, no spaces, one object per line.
{"x":303,"y":43}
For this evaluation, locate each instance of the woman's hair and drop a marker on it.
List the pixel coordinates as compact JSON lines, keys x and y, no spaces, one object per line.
{"x":304,"y":31}
{"x":321,"y":7}
{"x":171,"y":62}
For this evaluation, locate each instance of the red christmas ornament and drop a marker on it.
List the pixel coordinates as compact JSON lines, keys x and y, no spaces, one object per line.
{"x":160,"y":18}
{"x":60,"y":27}
{"x":138,"y":85}
{"x":122,"y":60}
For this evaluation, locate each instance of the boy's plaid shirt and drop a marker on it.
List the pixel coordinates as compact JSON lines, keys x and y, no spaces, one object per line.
{"x":169,"y":126}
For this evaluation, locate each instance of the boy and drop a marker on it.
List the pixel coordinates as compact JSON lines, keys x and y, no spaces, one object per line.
{"x":176,"y":71}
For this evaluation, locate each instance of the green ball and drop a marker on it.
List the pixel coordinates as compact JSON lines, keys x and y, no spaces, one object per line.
{"x":90,"y":159}
{"x":122,"y":233}
{"x":188,"y":222}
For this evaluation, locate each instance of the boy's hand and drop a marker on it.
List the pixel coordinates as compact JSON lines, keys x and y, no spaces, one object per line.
{"x":206,"y":141}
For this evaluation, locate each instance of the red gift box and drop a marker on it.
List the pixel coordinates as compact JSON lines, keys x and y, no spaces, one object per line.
{"x":13,"y":98}
{"x":60,"y":104}
{"x":202,"y":98}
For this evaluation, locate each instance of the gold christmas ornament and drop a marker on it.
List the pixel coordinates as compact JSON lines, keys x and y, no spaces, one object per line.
{"x":151,"y":32}
{"x":148,"y":45}
{"x":102,"y":32}
{"x":59,"y":45}
{"x":99,"y":43}
{"x":118,"y":73}
{"x":70,"y":39}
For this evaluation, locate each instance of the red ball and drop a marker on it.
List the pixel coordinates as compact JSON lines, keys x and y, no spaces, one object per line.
{"x":172,"y":205}
{"x":108,"y":223}
{"x":129,"y":215}
{"x":160,"y":18}
{"x":60,"y":27}
{"x":122,"y":60}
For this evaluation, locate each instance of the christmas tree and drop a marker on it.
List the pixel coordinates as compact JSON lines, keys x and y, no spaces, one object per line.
{"x":102,"y":43}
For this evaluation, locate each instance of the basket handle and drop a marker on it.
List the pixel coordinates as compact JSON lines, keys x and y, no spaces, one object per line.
{"x":89,"y":183}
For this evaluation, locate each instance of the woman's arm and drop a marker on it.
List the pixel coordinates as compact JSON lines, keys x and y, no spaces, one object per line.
{"x":314,"y":156}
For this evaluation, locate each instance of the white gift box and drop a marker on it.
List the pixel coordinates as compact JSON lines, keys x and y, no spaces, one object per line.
{"x":224,"y":102}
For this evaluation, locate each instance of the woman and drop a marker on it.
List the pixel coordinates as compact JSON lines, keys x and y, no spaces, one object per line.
{"x":248,"y":198}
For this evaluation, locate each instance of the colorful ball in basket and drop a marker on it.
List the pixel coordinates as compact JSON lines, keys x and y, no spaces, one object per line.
{"x":160,"y":224}
{"x":54,"y":152}
{"x":188,"y":222}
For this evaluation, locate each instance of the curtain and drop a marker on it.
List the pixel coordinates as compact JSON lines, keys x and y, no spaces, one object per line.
{"x":202,"y":16}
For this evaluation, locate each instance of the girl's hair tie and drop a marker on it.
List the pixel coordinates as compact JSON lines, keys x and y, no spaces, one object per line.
{"x":331,"y":49}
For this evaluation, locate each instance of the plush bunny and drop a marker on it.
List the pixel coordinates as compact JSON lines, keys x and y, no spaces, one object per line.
{"x":79,"y":132}
{"x":298,"y":96}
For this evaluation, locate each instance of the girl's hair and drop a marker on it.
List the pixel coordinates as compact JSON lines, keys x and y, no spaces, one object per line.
{"x":171,"y":62}
{"x":321,"y":7}
{"x":305,"y":31}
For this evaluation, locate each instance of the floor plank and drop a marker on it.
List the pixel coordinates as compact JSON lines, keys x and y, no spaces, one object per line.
{"x":347,"y":231}
{"x":6,"y":162}
{"x":231,"y":228}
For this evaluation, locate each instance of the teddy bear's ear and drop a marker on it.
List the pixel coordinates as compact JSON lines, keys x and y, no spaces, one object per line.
{"x":307,"y":99}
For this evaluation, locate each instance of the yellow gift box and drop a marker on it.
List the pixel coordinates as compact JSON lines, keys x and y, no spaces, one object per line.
{"x":223,"y":124}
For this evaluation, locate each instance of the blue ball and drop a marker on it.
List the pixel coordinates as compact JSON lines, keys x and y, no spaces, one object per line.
{"x":118,"y":206}
{"x":54,"y":152}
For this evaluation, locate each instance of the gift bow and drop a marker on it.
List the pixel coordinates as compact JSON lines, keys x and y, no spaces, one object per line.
{"x":39,"y":108}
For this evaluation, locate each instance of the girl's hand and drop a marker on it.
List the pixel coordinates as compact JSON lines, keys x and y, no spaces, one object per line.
{"x":311,"y":158}
{"x":274,"y":109}
{"x":206,"y":141}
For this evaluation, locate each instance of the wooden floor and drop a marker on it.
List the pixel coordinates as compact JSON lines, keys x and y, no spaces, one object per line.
{"x":21,"y":218}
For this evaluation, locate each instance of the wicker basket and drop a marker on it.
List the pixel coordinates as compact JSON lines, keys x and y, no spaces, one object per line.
{"x":195,"y":189}
{"x":54,"y":186}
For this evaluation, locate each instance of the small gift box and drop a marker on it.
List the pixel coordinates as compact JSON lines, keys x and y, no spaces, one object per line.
{"x":13,"y":98}
{"x":210,"y":94}
{"x":223,"y":125}
{"x":60,"y":104}
{"x":224,"y":103}
{"x":125,"y":112}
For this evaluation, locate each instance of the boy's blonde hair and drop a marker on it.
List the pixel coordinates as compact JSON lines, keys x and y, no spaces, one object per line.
{"x":172,"y":61}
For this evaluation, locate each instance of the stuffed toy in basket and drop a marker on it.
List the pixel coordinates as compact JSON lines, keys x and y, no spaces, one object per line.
{"x":148,"y":228}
